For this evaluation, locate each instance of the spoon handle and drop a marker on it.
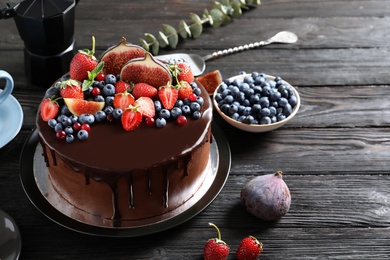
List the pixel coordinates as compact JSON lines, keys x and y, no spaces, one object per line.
{"x":244,"y":47}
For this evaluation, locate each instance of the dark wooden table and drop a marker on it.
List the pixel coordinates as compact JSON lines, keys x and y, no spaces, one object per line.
{"x":334,"y":153}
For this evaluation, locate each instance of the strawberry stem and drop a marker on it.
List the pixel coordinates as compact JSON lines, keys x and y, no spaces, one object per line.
{"x":219,"y":232}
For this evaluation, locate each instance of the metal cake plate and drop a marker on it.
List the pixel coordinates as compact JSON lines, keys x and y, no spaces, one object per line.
{"x":36,"y":185}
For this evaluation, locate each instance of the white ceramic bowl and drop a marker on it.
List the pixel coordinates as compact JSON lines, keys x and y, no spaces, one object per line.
{"x":257,"y":128}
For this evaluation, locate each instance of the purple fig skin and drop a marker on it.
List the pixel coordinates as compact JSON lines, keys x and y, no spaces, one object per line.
{"x":266,"y":197}
{"x":117,"y":56}
{"x":146,"y":70}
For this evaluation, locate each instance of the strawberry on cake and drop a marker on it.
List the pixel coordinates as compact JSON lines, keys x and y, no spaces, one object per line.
{"x":128,"y":140}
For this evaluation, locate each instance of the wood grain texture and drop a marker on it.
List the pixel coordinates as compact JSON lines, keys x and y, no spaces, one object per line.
{"x":334,"y":153}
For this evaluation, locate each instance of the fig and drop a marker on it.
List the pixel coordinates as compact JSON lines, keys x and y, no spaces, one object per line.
{"x":146,"y":70}
{"x":80,"y":106}
{"x":266,"y":197}
{"x":210,"y":81}
{"x":117,"y":56}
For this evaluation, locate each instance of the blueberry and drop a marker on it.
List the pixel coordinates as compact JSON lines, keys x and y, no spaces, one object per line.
{"x":109,"y":90}
{"x":197,"y":91}
{"x":99,"y":98}
{"x":186,"y":110}
{"x":235,"y":116}
{"x":283,"y":102}
{"x":108,"y":110}
{"x":285,"y":93}
{"x":287,"y":110}
{"x":293,"y":100}
{"x":265,"y":120}
{"x":275,"y":95}
{"x":109,"y":101}
{"x":86,"y":119}
{"x":100,"y":116}
{"x":117,"y":113}
{"x":256,"y":108}
{"x":52,"y":123}
{"x":248,"y":119}
{"x":254,"y":99}
{"x":265,"y":111}
{"x":194,"y":106}
{"x":68,"y":130}
{"x":266,"y":91}
{"x":58,"y":127}
{"x":233,"y":109}
{"x":218,"y":97}
{"x":101,"y":85}
{"x":193,"y":85}
{"x":160,"y":122}
{"x":179,"y":103}
{"x":281,"y":117}
{"x":69,"y":138}
{"x":74,"y":118}
{"x":196,"y":115}
{"x":164,"y":113}
{"x":264,"y":102}
{"x":66,"y":121}
{"x":65,"y":110}
{"x":246,"y":102}
{"x":82,"y":135}
{"x":157,"y":106}
{"x":249,"y":80}
{"x":247,"y":111}
{"x":272,"y":111}
{"x":199,"y":100}
{"x":53,"y":91}
{"x":176,"y":112}
{"x":110,"y":79}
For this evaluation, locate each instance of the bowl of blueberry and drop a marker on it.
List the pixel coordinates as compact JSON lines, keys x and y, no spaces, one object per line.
{"x":256,"y":102}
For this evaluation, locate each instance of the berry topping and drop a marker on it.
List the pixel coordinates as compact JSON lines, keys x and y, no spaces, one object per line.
{"x":49,"y":109}
{"x":71,"y":89}
{"x":146,"y":106}
{"x":143,"y":90}
{"x":131,"y":118}
{"x":121,"y":87}
{"x":168,"y":96}
{"x":181,"y":120}
{"x":123,"y":100}
{"x":82,"y":63}
{"x":185,"y":91}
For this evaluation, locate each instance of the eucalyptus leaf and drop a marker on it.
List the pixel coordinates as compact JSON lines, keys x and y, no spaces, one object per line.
{"x":162,"y":39}
{"x":155,"y":47}
{"x":195,"y":18}
{"x":218,"y":17}
{"x":184,"y":29}
{"x":144,"y":44}
{"x":196,"y":30}
{"x":150,"y":38}
{"x":171,"y":34}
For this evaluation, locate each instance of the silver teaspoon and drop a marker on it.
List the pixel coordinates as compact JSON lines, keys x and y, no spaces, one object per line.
{"x":198,"y":63}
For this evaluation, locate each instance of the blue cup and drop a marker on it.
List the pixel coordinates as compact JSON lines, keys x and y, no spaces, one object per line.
{"x":9,"y":85}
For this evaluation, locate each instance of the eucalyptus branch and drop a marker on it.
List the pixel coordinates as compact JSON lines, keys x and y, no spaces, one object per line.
{"x":220,"y":14}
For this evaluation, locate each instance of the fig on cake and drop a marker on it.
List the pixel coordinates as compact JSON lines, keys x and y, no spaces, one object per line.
{"x":146,"y":70}
{"x":117,"y":56}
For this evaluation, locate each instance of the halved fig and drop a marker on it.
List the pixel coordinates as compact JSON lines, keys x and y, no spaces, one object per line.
{"x":80,"y":106}
{"x":146,"y":70}
{"x":116,"y":56}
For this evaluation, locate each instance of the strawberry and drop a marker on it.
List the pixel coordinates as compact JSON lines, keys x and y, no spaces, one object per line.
{"x":71,"y":89}
{"x":185,"y":90}
{"x":168,"y":96}
{"x":121,"y":87}
{"x":143,"y":90}
{"x":49,"y":109}
{"x":82,"y":63}
{"x":123,"y":100}
{"x":131,"y":118}
{"x":146,"y":106}
{"x":215,"y":248}
{"x":185,"y":73}
{"x":249,"y":249}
